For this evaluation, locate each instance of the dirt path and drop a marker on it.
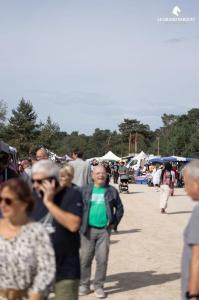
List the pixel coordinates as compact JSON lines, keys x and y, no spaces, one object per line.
{"x":144,"y":262}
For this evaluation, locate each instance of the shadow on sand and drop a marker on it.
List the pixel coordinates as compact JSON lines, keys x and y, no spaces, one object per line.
{"x":126,"y":231}
{"x":131,"y":193}
{"x":114,"y":242}
{"x":180,"y":212}
{"x":134,"y":280}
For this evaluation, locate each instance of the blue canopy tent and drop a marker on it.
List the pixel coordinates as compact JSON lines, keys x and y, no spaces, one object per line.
{"x":170,"y":159}
{"x":161,"y":160}
{"x":176,"y":159}
{"x":156,"y":160}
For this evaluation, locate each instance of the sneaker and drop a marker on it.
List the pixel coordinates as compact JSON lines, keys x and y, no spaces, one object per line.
{"x":84,"y":290}
{"x":51,"y":295}
{"x":99,"y":293}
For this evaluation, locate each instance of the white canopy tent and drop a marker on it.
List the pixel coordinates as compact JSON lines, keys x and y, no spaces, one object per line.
{"x":90,"y":159}
{"x":137,"y":161}
{"x":110,"y":156}
{"x":140,"y":156}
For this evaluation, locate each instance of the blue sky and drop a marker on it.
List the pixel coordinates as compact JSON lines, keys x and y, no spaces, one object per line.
{"x":92,"y":63}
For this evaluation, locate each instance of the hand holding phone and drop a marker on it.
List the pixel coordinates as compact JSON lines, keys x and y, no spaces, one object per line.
{"x":48,"y":189}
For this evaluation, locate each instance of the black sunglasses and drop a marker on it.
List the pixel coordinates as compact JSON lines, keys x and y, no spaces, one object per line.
{"x":40,"y":181}
{"x":7,"y":201}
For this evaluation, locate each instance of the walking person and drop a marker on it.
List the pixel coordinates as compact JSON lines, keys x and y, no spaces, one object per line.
{"x":82,"y":168}
{"x":156,"y":177}
{"x":173,"y":174}
{"x":60,"y":210}
{"x":27,"y":265}
{"x":190,"y":256}
{"x":115,"y":172}
{"x":103,"y":210}
{"x":165,"y":186}
{"x":108,"y":172}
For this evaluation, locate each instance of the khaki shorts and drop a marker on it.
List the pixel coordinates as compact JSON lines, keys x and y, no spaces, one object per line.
{"x":67,"y":289}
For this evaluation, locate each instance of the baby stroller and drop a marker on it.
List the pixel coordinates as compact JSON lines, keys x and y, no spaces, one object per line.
{"x":123,"y":183}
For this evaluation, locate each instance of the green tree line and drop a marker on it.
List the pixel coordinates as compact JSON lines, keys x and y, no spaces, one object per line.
{"x":179,"y":135}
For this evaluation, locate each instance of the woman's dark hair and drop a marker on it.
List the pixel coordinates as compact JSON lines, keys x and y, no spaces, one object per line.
{"x":22,"y":191}
{"x":168,"y":166}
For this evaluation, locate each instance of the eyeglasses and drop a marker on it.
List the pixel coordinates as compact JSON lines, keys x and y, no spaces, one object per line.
{"x":7,"y":201}
{"x":40,"y":181}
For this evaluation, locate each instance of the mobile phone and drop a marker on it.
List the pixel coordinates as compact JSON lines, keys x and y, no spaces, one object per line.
{"x":50,"y":179}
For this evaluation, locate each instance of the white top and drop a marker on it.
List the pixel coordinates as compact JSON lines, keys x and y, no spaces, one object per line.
{"x":27,"y":261}
{"x":156,"y":176}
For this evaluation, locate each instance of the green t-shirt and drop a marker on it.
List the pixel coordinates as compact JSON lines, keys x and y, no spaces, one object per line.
{"x":97,"y":213}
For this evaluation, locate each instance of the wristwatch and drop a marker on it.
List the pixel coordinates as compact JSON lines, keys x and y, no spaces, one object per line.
{"x":190,"y":296}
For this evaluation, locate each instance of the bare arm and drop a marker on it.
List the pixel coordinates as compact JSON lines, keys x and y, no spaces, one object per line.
{"x":35,"y":297}
{"x":67,"y":219}
{"x":194,"y":271}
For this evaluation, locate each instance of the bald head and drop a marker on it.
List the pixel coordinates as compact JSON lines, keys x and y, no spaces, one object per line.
{"x":99,"y":175}
{"x":98,"y":168}
{"x":41,"y":154}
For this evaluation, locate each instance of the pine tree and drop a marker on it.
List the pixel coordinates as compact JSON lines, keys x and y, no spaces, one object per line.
{"x":3,"y":112}
{"x":22,"y":127}
{"x":49,"y":135}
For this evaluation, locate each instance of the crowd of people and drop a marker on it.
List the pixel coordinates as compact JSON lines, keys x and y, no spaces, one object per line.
{"x":55,"y":219}
{"x":47,"y":212}
{"x":164,"y":178}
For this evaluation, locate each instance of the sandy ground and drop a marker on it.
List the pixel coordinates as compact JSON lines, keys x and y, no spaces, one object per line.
{"x":145,"y":256}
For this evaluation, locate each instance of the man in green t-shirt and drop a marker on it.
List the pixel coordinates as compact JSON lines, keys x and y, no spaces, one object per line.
{"x":97,"y":213}
{"x":103,"y":210}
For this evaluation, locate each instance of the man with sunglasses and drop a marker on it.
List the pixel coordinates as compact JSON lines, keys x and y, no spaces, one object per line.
{"x":60,"y":209}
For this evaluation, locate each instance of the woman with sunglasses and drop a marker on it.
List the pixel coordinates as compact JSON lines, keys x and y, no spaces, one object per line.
{"x":27,"y":263}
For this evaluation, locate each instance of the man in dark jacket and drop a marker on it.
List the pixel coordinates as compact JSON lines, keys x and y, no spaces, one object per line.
{"x":103,"y":210}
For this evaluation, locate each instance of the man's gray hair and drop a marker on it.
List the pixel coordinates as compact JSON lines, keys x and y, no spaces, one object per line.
{"x":46,"y":166}
{"x":192,"y":169}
